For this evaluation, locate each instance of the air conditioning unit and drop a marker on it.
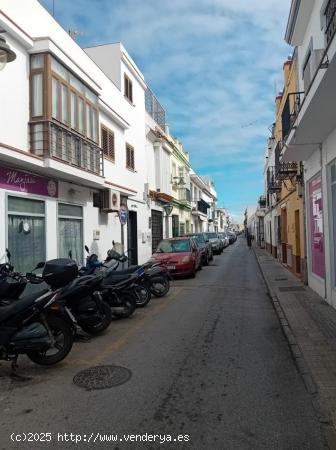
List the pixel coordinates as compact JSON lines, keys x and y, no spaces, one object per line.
{"x":107,"y":200}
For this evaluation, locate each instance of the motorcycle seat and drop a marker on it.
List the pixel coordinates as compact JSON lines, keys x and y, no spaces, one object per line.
{"x":116,"y":277}
{"x":129,"y":270}
{"x":16,"y":306}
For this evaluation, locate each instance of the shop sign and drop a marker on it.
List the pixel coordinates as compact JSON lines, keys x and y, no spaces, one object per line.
{"x":123,"y":214}
{"x":16,"y":180}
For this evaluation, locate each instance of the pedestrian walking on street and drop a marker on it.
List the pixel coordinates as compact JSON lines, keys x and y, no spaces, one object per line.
{"x":249,"y":240}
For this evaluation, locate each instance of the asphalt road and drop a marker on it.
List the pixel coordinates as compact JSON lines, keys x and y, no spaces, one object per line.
{"x":209,"y":363}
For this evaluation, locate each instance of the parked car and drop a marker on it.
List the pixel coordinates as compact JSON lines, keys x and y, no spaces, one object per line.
{"x":217,"y":246}
{"x":204,"y":246}
{"x":181,"y":256}
{"x":224,"y":238}
{"x":232,"y":237}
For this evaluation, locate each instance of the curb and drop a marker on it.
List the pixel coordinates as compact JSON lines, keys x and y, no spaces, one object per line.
{"x":303,"y":368}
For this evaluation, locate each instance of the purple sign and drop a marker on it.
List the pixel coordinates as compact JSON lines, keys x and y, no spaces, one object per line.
{"x":15,"y":180}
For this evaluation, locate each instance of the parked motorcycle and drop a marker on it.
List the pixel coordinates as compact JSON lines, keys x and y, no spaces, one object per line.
{"x":118,"y":293}
{"x":156,"y":278}
{"x":35,"y":325}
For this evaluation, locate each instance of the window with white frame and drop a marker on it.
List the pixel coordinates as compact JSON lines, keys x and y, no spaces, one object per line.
{"x":70,"y":231}
{"x":26,"y":232}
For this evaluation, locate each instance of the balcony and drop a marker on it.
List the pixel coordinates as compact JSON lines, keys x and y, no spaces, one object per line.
{"x":51,"y":140}
{"x":154,"y":108}
{"x":273,"y":185}
{"x":330,"y":16}
{"x":262,"y":202}
{"x":184,"y":195}
{"x":286,"y":171}
{"x":202,"y":207}
{"x":290,"y":112}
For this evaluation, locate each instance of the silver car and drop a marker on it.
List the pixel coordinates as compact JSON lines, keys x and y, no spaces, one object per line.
{"x":216,"y":243}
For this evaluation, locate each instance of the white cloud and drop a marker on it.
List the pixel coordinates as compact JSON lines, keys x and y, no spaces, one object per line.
{"x":212,"y":64}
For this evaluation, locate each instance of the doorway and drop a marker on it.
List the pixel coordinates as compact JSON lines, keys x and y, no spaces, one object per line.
{"x":297,"y":242}
{"x":175,"y":220}
{"x":157,"y":229}
{"x":132,"y":238}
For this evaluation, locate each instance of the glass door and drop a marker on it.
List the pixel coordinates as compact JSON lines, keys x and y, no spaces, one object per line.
{"x":26,"y":232}
{"x":70,"y":232}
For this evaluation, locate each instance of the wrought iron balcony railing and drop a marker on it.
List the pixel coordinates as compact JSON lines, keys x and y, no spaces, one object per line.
{"x":184,"y":195}
{"x":52,"y":140}
{"x":286,"y":171}
{"x":290,"y":112}
{"x":203,"y":206}
{"x":154,"y":108}
{"x":330,"y":16}
{"x":262,"y":201}
{"x":273,"y":185}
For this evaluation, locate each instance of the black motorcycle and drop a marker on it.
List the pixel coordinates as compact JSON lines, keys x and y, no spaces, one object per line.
{"x":34,"y":325}
{"x":81,"y":299}
{"x":156,"y":278}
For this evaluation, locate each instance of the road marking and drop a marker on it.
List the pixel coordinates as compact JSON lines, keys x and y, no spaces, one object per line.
{"x":116,"y":345}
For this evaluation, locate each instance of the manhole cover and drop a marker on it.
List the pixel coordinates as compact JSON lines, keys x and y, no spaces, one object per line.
{"x":280,"y":279}
{"x":102,"y":377}
{"x":291,"y":288}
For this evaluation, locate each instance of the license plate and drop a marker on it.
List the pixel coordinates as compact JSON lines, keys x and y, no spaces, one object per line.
{"x":171,"y":267}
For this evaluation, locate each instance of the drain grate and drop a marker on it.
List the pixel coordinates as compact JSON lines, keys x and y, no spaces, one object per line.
{"x":291,"y":289}
{"x":102,"y":377}
{"x":280,"y":279}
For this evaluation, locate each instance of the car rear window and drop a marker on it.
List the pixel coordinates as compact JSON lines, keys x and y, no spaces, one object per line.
{"x":212,"y":235}
{"x":180,"y":246}
{"x":199,"y":238}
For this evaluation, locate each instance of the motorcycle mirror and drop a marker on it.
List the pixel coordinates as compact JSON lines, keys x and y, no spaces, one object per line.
{"x":87,"y":249}
{"x":39,"y":265}
{"x":8,"y":254}
{"x":70,"y":254}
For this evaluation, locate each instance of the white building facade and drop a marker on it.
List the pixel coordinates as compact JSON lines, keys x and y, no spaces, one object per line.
{"x":311,"y":134}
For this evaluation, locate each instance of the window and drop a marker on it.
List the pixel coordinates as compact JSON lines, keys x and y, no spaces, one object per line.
{"x":26,"y":232}
{"x":81,"y":115}
{"x":316,"y":227}
{"x":128,"y":88}
{"x":107,"y":143}
{"x":70,"y":231}
{"x":130,"y":157}
{"x":65,"y":107}
{"x":72,"y":103}
{"x":37,"y":94}
{"x":73,"y":110}
{"x":55,"y":98}
{"x":36,"y":80}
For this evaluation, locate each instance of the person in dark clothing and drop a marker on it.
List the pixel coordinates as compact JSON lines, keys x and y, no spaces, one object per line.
{"x":249,"y":240}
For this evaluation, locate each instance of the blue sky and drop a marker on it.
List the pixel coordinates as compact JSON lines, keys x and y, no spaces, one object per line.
{"x":215,"y":66}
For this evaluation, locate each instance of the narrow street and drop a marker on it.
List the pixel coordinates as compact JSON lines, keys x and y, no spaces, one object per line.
{"x":208,"y":361}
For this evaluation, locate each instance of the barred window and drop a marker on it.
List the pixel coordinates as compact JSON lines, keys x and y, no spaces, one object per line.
{"x":130,"y":157}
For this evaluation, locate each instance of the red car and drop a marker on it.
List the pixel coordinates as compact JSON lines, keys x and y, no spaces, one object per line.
{"x":180,"y":255}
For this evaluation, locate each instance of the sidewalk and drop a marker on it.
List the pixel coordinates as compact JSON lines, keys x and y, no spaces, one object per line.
{"x":309,"y":324}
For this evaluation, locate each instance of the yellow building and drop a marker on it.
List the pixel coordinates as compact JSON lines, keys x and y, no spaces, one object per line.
{"x":289,"y":179}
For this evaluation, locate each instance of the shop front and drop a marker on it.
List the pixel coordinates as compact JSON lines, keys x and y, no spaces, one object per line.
{"x":43,"y":218}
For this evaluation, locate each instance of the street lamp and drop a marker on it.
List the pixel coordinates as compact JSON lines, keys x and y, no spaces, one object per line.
{"x":6,"y":54}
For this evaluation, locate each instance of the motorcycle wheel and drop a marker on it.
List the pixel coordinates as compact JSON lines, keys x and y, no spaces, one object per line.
{"x":129,"y":301}
{"x":143,"y":296}
{"x":63,"y":335}
{"x":160,"y":289}
{"x":103,"y":324}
